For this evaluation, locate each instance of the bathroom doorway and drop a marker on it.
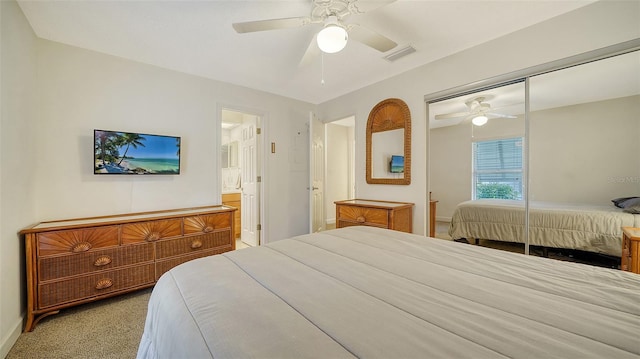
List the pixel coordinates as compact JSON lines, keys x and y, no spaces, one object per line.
{"x":240,"y":172}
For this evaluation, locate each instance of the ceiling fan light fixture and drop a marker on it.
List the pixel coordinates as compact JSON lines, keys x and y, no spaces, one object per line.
{"x":479,"y":120}
{"x":333,"y":37}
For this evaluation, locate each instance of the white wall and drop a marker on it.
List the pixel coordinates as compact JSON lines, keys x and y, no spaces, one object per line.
{"x":17,"y":172}
{"x":591,"y":27}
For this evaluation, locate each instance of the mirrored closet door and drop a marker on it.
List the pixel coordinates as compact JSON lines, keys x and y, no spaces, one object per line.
{"x":584,"y":132}
{"x":533,"y":163}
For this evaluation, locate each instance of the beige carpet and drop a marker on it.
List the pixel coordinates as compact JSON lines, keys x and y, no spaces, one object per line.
{"x":106,"y":329}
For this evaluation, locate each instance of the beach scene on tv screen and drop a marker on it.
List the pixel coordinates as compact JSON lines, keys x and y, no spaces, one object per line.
{"x":135,"y":153}
{"x":397,"y":164}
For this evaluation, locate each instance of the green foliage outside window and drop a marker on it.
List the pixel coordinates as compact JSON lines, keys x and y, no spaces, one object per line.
{"x":495,"y":190}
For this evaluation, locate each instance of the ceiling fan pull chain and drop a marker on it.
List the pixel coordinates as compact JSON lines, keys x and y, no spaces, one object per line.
{"x":322,"y":69}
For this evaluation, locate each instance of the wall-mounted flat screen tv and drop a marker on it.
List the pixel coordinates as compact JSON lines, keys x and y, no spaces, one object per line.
{"x":128,"y":153}
{"x":397,"y":164}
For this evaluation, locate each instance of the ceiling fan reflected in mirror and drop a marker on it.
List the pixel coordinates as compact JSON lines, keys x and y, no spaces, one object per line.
{"x":335,"y":32}
{"x":479,"y":112}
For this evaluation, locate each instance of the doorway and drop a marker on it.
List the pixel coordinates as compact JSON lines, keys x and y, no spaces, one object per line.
{"x":340,"y":165}
{"x":240,"y":173}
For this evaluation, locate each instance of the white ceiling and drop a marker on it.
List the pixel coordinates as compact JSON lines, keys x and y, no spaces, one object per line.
{"x":196,"y":37}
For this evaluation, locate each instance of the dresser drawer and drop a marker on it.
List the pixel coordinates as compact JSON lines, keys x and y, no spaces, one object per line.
{"x":207,"y":223}
{"x":79,"y":288}
{"x":82,"y":263}
{"x":194,"y":243}
{"x":76,"y":240}
{"x":166,"y":264}
{"x":363,"y":215}
{"x":151,"y":231}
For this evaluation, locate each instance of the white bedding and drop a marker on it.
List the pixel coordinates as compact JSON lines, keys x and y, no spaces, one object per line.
{"x":374,"y":293}
{"x":558,"y":225}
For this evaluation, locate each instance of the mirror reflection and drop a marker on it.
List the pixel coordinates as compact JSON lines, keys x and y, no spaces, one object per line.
{"x":387,"y":154}
{"x":583,"y":129}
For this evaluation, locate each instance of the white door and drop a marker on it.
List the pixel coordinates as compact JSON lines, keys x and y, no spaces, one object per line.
{"x":316,"y":186}
{"x":250,"y":200}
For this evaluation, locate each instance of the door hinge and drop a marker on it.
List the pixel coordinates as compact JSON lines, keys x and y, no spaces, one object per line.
{"x":258,"y":130}
{"x":259,"y":227}
{"x":259,"y":179}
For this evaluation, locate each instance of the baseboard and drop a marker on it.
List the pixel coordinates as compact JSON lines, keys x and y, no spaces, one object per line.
{"x":331,"y":221}
{"x":8,"y":341}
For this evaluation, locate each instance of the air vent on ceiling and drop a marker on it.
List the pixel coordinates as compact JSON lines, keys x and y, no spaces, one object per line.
{"x":400,"y":53}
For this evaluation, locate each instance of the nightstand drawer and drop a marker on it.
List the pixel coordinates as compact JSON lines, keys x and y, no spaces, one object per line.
{"x":364,"y":215}
{"x":384,"y":214}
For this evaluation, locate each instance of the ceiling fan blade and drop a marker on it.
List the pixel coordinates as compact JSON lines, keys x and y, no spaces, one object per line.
{"x":371,"y":38}
{"x":500,"y":115}
{"x":362,"y":6}
{"x":311,"y":53}
{"x":447,"y":116}
{"x":273,"y":24}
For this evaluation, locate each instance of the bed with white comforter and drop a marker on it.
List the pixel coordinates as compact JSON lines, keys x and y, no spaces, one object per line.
{"x":363,"y":292}
{"x":557,"y":225}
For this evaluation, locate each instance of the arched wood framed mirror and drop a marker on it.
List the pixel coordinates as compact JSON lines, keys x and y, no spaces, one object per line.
{"x":389,"y":143}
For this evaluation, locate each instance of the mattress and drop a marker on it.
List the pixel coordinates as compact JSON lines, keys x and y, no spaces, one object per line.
{"x":374,"y":293}
{"x":558,"y":225}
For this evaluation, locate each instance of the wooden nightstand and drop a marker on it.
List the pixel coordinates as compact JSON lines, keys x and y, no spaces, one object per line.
{"x":383,"y":214}
{"x":630,"y":260}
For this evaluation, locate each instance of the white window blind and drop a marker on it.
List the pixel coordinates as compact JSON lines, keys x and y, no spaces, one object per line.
{"x":497,"y":168}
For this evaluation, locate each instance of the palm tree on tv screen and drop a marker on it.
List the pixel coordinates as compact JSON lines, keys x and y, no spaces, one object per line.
{"x":105,"y":144}
{"x":130,"y":140}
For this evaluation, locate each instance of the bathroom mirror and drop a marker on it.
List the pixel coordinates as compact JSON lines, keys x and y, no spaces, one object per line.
{"x":389,"y":143}
{"x":229,"y":155}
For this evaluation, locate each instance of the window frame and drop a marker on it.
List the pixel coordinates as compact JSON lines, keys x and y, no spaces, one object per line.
{"x":474,"y":171}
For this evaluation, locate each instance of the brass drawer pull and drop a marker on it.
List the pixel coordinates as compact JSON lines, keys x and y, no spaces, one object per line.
{"x":152,"y":237}
{"x":102,"y":261}
{"x":104,"y":283}
{"x":207,"y":229}
{"x":81,"y":247}
{"x":196,"y":244}
{"x":361,"y":219}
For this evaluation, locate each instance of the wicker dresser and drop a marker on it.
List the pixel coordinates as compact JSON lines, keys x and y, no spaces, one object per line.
{"x":71,"y":262}
{"x":383,"y":214}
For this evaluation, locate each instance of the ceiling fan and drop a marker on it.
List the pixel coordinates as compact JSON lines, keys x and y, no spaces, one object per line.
{"x":479,"y":112}
{"x":335,"y":32}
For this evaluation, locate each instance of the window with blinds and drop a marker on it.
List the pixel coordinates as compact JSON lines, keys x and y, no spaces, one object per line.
{"x":497,"y":169}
